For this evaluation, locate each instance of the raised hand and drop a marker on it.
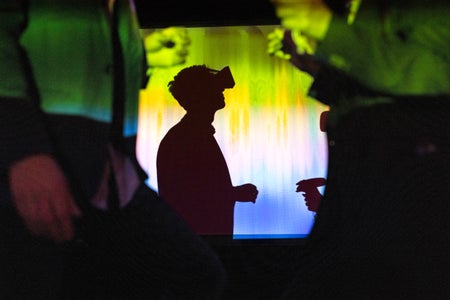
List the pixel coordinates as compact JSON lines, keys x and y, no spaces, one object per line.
{"x":309,"y":17}
{"x":292,"y":46}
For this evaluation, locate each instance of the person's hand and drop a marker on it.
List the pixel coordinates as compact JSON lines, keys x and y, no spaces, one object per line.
{"x":42,"y":198}
{"x":246,"y":193}
{"x":281,"y":44}
{"x":312,"y":200}
{"x":167,"y":47}
{"x":309,"y":17}
{"x":285,"y":44}
{"x":276,"y":46}
{"x":309,"y":187}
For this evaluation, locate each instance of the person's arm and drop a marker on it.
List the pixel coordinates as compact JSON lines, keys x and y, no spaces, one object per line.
{"x":394,"y":47}
{"x":334,"y":87}
{"x":22,"y":130}
{"x":38,"y":187}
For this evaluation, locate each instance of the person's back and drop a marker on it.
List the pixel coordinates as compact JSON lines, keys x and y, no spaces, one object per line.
{"x":193,"y":178}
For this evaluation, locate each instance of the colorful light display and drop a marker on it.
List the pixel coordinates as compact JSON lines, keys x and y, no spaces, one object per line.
{"x":269,"y":130}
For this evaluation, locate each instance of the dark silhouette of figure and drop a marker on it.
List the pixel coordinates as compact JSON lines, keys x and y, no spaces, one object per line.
{"x":77,"y":220}
{"x":382,"y":230}
{"x":192,"y":172}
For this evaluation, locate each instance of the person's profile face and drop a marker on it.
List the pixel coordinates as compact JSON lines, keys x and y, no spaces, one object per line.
{"x":217,"y":99}
{"x":210,"y":99}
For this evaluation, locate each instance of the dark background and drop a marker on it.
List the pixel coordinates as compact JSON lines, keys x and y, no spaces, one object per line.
{"x":199,"y":13}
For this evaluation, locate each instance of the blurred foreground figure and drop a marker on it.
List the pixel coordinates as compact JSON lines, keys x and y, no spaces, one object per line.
{"x":383,"y":229}
{"x":76,"y":218}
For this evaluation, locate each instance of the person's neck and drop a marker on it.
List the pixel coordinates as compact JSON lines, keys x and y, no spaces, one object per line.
{"x":201,"y":117}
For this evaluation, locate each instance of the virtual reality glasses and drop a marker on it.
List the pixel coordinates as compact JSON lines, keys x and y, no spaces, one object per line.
{"x":223,"y":78}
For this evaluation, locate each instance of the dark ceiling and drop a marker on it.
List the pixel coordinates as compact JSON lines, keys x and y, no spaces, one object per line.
{"x":163,"y":13}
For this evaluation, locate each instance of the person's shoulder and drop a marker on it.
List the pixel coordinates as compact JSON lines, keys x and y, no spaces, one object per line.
{"x":175,"y":135}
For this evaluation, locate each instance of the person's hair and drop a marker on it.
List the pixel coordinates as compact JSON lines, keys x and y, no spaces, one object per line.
{"x":189,"y":84}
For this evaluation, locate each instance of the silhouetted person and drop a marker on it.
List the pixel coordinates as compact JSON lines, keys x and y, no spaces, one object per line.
{"x":382,"y":230}
{"x":192,"y":173}
{"x":77,"y":220}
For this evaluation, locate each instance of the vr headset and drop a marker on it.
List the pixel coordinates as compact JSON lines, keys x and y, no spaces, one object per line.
{"x":223,"y":78}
